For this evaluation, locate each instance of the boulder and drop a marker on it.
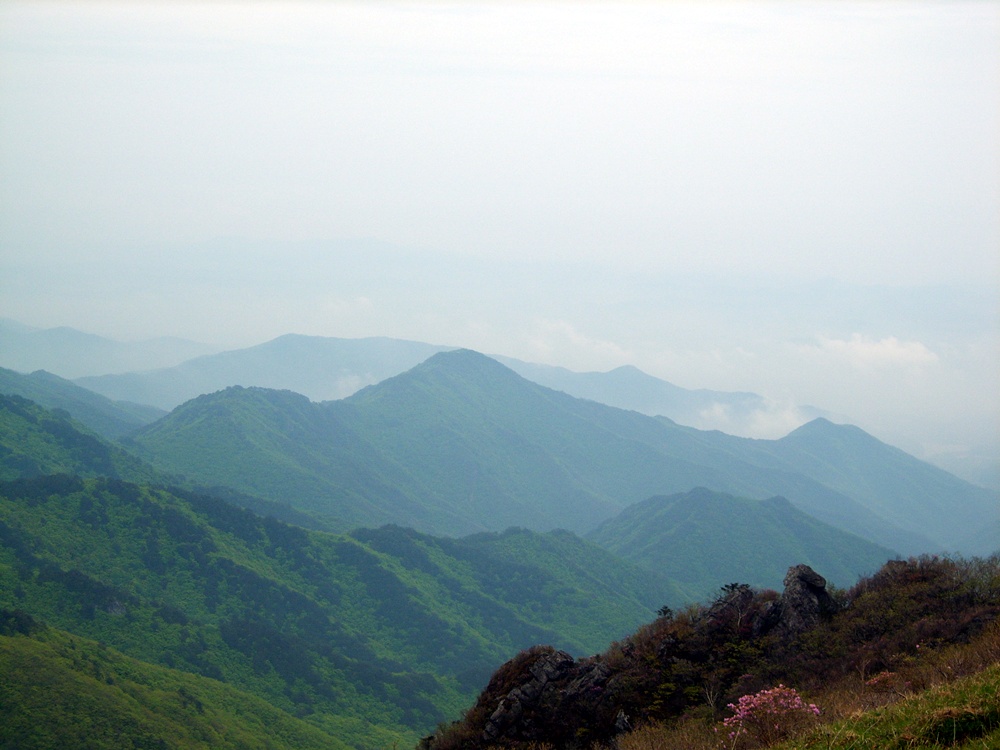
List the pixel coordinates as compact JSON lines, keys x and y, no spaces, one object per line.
{"x":553,"y":684}
{"x":805,"y":600}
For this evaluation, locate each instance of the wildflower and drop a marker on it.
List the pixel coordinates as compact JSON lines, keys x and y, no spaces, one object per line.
{"x":769,"y":715}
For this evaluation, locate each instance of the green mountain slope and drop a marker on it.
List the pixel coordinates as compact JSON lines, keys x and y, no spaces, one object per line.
{"x":62,"y":691}
{"x":911,"y":494}
{"x":907,"y":492}
{"x":374,"y":638}
{"x":36,"y":441}
{"x":547,"y":577}
{"x":701,"y":538}
{"x":461,"y":444}
{"x":110,"y":419}
{"x":280,"y":446}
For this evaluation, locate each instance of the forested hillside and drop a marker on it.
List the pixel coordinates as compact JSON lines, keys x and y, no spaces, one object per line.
{"x":461,"y":444}
{"x":35,"y":441}
{"x":152,"y":589}
{"x":372,"y":638}
{"x":95,"y":697}
{"x":110,"y":419}
{"x":704,"y":537}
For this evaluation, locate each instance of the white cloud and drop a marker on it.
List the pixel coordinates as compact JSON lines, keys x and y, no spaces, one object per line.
{"x":772,"y":420}
{"x":559,"y":342}
{"x":864,"y":352}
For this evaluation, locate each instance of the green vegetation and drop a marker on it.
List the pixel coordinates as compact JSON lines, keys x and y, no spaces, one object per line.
{"x":963,"y":713}
{"x":461,"y":444}
{"x":196,"y":621}
{"x":62,"y":691}
{"x":704,"y":537}
{"x":36,"y":441}
{"x":109,"y":419}
{"x":375,"y":637}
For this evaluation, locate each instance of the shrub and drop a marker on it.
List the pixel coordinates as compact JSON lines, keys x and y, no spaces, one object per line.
{"x":769,"y":715}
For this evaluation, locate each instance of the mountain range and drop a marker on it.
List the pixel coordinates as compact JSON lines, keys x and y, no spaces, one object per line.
{"x":372,"y":637}
{"x":460,"y":444}
{"x":628,"y":387}
{"x":354,"y":569}
{"x":321,"y":368}
{"x":167,"y":372}
{"x":325,"y":368}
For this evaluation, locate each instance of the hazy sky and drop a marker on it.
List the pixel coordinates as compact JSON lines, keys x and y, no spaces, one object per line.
{"x":799,"y":199}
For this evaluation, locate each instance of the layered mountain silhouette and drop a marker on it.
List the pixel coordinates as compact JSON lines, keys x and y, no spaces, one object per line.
{"x":628,"y":387}
{"x":135,"y":581}
{"x":70,"y":353}
{"x":325,"y":368}
{"x":111,"y":419}
{"x":460,"y":443}
{"x":319,"y":367}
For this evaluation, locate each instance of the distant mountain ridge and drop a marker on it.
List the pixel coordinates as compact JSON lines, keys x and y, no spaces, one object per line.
{"x":628,"y":387}
{"x":311,"y":368}
{"x":327,"y":368}
{"x":461,"y":443}
{"x":322,"y":368}
{"x":70,"y":353}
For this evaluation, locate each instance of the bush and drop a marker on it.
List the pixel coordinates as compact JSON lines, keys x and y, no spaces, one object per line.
{"x":768,"y":716}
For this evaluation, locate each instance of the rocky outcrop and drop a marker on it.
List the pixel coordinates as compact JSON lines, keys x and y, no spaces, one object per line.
{"x":545,"y":696}
{"x":803,"y":604}
{"x":805,"y":600}
{"x":553,"y":684}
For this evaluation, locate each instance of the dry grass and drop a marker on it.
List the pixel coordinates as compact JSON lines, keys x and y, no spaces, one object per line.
{"x":858,"y":698}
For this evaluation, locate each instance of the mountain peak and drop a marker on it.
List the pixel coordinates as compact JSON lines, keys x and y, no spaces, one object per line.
{"x":821,"y":426}
{"x":466,"y":363}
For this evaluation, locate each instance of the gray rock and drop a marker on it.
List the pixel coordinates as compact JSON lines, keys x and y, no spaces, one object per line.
{"x":805,"y":600}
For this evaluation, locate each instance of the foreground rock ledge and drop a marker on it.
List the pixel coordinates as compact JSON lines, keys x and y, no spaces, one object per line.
{"x":545,"y":695}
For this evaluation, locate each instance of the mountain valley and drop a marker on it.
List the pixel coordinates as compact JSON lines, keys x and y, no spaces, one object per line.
{"x":355,"y":569}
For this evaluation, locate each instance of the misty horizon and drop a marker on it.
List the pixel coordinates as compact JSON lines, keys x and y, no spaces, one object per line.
{"x":798,"y":201}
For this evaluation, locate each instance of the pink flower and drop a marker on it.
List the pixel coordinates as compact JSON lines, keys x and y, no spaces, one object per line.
{"x":769,"y":715}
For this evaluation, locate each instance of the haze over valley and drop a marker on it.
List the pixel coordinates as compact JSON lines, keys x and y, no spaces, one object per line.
{"x":457,"y":376}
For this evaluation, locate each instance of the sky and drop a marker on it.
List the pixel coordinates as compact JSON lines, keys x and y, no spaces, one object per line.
{"x":796,"y":199}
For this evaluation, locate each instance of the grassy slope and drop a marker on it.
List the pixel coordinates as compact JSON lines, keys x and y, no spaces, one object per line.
{"x":62,"y":691}
{"x":359,"y":634}
{"x":964,"y":713}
